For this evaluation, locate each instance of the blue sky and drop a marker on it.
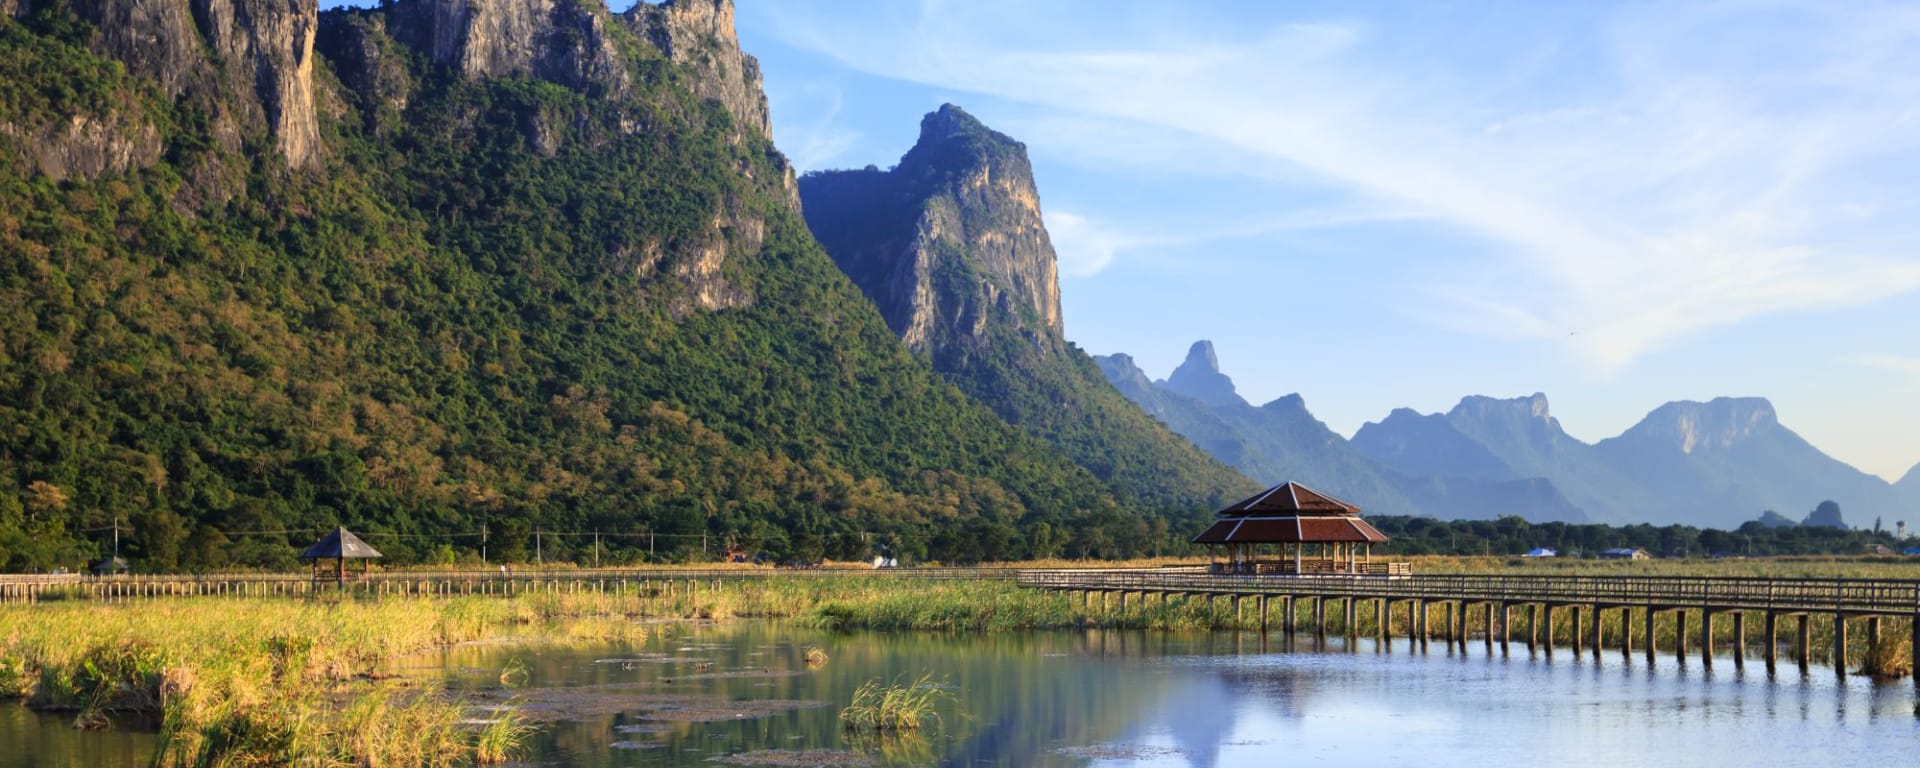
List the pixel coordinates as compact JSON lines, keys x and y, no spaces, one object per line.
{"x":1386,"y":205}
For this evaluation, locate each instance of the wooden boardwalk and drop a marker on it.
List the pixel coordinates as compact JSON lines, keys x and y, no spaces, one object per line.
{"x":1881,"y":604}
{"x":516,"y":581}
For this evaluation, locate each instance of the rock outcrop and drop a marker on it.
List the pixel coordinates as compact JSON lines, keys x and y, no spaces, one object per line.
{"x":1199,"y":377}
{"x":247,"y":63}
{"x":949,"y":242}
{"x":951,"y":248}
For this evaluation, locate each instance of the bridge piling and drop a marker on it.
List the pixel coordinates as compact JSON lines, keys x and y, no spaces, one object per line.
{"x":1652,"y":652}
{"x":1739,"y":639}
{"x":1771,"y":634}
{"x":1599,"y":632}
{"x":1549,"y":629}
{"x":1575,"y":610}
{"x":1840,"y":644}
{"x":1680,"y":635}
{"x":1706,"y":638}
{"x":1806,"y":641}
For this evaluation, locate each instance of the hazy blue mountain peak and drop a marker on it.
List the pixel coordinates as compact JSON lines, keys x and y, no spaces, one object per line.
{"x":1199,"y":377}
{"x":1531,"y":407}
{"x":1291,"y":403}
{"x":1718,"y":423}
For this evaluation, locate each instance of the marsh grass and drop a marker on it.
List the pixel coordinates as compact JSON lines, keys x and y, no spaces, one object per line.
{"x":280,"y":681}
{"x":894,"y":707}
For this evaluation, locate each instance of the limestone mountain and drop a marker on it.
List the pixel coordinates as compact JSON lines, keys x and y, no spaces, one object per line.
{"x":1199,"y":377}
{"x":950,"y":246}
{"x":1427,"y":445}
{"x":1907,"y":494}
{"x":1523,"y":434}
{"x":441,"y":267}
{"x":1715,"y":463}
{"x":1282,"y":441}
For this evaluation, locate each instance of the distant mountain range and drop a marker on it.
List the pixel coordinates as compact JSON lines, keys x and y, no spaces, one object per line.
{"x":1715,"y":464}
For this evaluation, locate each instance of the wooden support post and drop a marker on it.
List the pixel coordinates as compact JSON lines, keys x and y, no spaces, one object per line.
{"x":1263,"y":614}
{"x":1453,"y":622}
{"x":1873,"y":645}
{"x":1913,"y":643}
{"x":1680,"y":634}
{"x":1739,"y":639}
{"x":1235,"y":600}
{"x":1319,"y":616}
{"x":1488,"y":641}
{"x":1426,"y":630}
{"x":1289,"y":615}
{"x":1506,"y":628}
{"x":1382,"y":616}
{"x":1626,"y":633}
{"x":1352,"y":618}
{"x":1770,"y":633}
{"x":1806,"y":641}
{"x":1840,"y":644}
{"x":1548,"y":626}
{"x":1706,"y":638}
{"x":1652,"y":645}
{"x":1575,"y":610}
{"x":1533,"y":626}
{"x":1599,"y":633}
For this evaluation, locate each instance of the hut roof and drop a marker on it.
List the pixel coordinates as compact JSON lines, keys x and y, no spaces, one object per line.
{"x":341,"y":544}
{"x":1289,"y":499}
{"x":1290,"y":529}
{"x":1290,"y":513}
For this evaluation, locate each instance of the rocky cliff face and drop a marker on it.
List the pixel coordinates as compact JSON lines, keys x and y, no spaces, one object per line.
{"x":950,"y":247}
{"x":250,"y":64}
{"x":949,"y":243}
{"x":1715,"y":425}
{"x":699,"y":34}
{"x":247,"y":63}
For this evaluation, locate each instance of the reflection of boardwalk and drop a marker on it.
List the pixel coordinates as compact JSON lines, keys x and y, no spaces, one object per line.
{"x":1665,"y":604}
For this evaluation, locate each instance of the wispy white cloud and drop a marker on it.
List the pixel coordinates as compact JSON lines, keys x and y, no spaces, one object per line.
{"x":1087,"y":245}
{"x":1681,"y":180}
{"x":822,"y":140}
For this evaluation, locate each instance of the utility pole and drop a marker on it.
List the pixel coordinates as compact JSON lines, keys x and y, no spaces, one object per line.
{"x":536,"y":547}
{"x":596,"y":549}
{"x":483,"y":544}
{"x":116,"y":541}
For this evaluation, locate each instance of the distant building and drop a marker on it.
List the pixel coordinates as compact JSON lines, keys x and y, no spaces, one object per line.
{"x":1625,"y":553}
{"x":1542,"y":552}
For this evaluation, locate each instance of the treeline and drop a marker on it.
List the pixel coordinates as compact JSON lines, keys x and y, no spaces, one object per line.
{"x":1514,"y":536}
{"x":519,"y":307}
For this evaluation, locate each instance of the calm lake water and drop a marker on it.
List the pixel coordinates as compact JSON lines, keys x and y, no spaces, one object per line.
{"x":692,"y":693}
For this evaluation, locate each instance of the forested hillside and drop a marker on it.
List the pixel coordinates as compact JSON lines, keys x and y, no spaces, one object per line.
{"x":553,"y":286}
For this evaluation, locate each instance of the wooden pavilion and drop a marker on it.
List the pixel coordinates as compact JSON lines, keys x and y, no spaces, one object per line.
{"x":330,"y":554}
{"x":1295,"y":530}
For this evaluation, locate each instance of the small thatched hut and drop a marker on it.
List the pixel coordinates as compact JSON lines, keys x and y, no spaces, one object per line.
{"x":330,"y":554}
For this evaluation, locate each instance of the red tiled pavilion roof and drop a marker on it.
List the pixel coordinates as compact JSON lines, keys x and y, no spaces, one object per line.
{"x":1290,"y":513}
{"x":1289,"y":498}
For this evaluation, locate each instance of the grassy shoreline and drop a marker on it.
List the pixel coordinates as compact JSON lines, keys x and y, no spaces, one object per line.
{"x":296,"y":681}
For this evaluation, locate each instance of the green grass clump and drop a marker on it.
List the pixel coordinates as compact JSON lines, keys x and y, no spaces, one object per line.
{"x":893,"y":707}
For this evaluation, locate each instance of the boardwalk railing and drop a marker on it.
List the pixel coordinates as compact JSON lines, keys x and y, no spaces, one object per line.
{"x":1893,"y":597}
{"x":33,"y":588}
